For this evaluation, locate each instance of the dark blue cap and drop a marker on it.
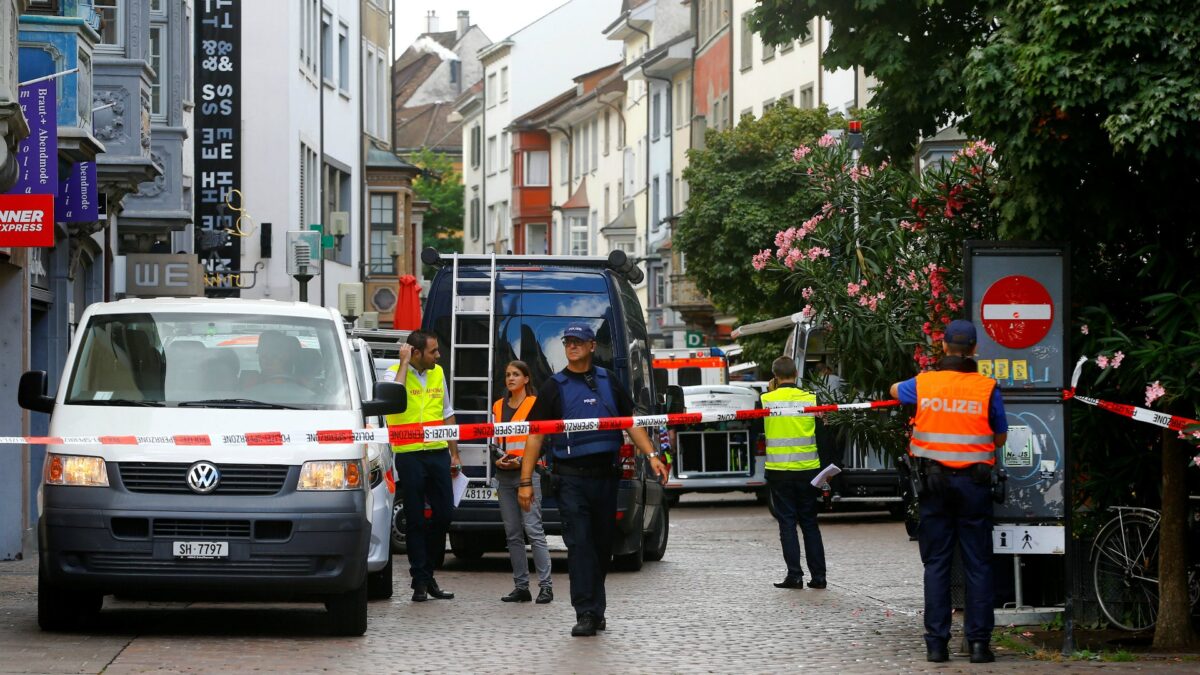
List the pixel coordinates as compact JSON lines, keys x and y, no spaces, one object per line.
{"x":960,"y":332}
{"x":580,"y":331}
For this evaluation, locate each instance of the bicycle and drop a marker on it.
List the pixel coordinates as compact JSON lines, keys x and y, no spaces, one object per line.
{"x":1125,"y":569}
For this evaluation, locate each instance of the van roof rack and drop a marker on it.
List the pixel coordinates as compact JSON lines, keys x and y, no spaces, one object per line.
{"x":381,"y":340}
{"x":617,"y":261}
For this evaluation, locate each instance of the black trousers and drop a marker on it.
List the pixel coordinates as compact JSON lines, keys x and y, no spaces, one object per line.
{"x":588,"y":508}
{"x":425,"y":479}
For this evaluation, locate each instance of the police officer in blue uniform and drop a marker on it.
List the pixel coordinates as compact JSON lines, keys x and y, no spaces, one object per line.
{"x":585,"y":468}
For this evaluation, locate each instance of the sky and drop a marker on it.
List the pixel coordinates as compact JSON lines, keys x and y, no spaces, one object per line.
{"x":497,"y":18}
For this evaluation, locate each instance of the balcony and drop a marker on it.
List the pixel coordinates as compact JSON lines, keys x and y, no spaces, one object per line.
{"x":686,"y":299}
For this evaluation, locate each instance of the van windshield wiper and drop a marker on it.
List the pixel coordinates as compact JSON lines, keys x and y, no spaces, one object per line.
{"x":117,"y":401}
{"x":235,"y":403}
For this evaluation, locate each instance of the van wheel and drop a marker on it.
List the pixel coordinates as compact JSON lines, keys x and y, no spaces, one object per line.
{"x":398,"y":525}
{"x":631,"y":562}
{"x":379,"y":584}
{"x":655,"y":546}
{"x":466,"y":547}
{"x":348,"y":611}
{"x":63,"y":610}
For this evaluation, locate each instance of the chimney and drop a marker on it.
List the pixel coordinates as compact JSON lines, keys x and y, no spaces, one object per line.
{"x":431,"y":21}
{"x":464,"y":22}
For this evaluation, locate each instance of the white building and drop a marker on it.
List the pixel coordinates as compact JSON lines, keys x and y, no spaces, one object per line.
{"x":302,"y":138}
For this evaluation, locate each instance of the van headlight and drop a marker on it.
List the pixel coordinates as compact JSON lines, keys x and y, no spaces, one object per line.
{"x":76,"y":470}
{"x":331,"y":475}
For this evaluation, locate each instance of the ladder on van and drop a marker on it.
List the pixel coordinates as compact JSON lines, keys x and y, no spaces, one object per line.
{"x":471,"y":360}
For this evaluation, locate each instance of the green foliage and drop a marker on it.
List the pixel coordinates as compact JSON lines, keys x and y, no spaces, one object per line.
{"x":743,"y":187}
{"x":441,"y":185}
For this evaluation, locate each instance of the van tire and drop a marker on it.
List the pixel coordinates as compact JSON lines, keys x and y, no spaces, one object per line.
{"x":397,"y":529}
{"x":631,"y":562}
{"x":655,"y":545}
{"x":62,"y":610}
{"x":379,"y":584}
{"x":466,"y":547}
{"x":348,"y":611}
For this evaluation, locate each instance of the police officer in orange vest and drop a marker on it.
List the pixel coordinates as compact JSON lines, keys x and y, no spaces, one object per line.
{"x":959,"y":423}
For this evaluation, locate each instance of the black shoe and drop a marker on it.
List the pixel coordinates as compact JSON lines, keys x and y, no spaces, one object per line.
{"x":435,"y":592}
{"x":791,"y":582}
{"x":980,"y":653}
{"x":517,"y":595}
{"x":545,"y":595}
{"x":602,"y":624}
{"x":938,"y":654}
{"x":419,"y":593}
{"x":586,"y":626}
{"x":818,"y":584}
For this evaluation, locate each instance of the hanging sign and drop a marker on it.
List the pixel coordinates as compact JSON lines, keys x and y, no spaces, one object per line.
{"x":27,"y":220}
{"x":76,"y":201}
{"x":37,"y":155}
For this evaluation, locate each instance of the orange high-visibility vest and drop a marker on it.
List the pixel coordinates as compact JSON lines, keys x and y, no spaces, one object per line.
{"x":952,"y":419}
{"x":514,"y":445}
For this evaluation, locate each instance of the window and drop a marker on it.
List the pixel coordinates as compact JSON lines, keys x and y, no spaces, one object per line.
{"x":768,"y":104}
{"x":455,"y":71}
{"x":768,"y":51}
{"x":578,"y":236}
{"x":537,"y":168}
{"x":654,"y":205}
{"x":156,"y":7}
{"x":372,"y":93}
{"x":675,"y":205}
{"x":564,"y":160}
{"x":491,"y":90}
{"x":787,"y":46}
{"x":607,"y":213}
{"x":655,"y":112}
{"x":747,"y":46}
{"x":476,"y":142}
{"x":806,"y":96}
{"x":111,"y":14}
{"x":812,"y":32}
{"x":338,"y":197}
{"x":491,"y":155}
{"x":624,"y":244}
{"x":308,"y":186}
{"x":376,"y":116}
{"x":788,"y":98}
{"x":43,"y":7}
{"x":716,"y":114}
{"x":309,"y":35}
{"x":505,"y":154}
{"x":158,"y":103}
{"x":344,"y":58}
{"x":491,"y":219}
{"x":504,"y":83}
{"x":383,"y":228}
{"x":327,"y":47}
{"x":595,"y":144}
{"x":607,"y":132}
{"x":384,"y":99}
{"x":474,"y":218}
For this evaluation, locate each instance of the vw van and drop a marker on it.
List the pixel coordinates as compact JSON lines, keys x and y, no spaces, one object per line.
{"x":191,"y":511}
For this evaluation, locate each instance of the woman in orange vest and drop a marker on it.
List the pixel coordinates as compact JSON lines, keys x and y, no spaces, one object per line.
{"x":515,"y":407}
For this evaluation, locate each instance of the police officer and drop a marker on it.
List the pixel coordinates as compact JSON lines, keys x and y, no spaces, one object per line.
{"x":425,"y":468}
{"x":792,"y":463}
{"x":959,"y":423}
{"x":585,"y":468}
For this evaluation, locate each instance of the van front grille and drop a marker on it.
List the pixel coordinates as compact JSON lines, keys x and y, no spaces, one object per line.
{"x":171,"y":477}
{"x":223,"y":529}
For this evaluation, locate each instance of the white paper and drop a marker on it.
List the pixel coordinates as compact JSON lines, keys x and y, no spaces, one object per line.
{"x":460,"y":484}
{"x":826,"y":473}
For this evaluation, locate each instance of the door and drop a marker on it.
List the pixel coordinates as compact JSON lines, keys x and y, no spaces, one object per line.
{"x":536,"y":239}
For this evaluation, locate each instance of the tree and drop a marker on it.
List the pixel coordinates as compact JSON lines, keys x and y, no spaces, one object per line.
{"x":1094,"y":109}
{"x":441,"y":185}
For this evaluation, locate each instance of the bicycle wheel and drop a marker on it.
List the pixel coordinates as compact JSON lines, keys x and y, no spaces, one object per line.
{"x":1125,"y":571}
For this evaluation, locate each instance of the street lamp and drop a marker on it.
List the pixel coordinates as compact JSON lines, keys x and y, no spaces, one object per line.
{"x":339,"y":226}
{"x":302,"y":248}
{"x":350,"y":300}
{"x":393,"y":250}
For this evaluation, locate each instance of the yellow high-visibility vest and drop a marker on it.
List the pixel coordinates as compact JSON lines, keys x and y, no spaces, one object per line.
{"x":791,"y":441}
{"x":425,"y":405}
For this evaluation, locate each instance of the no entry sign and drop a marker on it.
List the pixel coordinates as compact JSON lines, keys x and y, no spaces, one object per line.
{"x":1017,"y":312}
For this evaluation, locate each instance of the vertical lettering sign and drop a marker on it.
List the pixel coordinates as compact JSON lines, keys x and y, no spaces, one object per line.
{"x":37,"y":155}
{"x":218,"y":145}
{"x":76,"y":201}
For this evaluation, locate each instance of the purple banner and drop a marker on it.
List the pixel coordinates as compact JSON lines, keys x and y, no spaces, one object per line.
{"x":37,"y":156}
{"x":77,"y":200}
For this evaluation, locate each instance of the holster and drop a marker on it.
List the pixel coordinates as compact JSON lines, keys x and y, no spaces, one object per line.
{"x":999,"y":486}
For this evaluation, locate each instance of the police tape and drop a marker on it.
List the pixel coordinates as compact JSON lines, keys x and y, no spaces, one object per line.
{"x":1165,"y":420}
{"x":416,"y":433}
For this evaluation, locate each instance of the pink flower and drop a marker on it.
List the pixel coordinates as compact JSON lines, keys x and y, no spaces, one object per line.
{"x":852,"y":289}
{"x":826,"y":141}
{"x":817,"y":252}
{"x":793,"y":256}
{"x":1154,"y":391}
{"x":760,"y":259}
{"x":1116,"y":359}
{"x":807,"y":293}
{"x":1083,"y":329}
{"x":800,"y":153}
{"x":1102,"y":361}
{"x":808,"y":312}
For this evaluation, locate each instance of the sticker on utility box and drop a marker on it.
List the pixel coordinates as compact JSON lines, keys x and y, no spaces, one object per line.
{"x":1028,"y":539}
{"x":1018,"y":451}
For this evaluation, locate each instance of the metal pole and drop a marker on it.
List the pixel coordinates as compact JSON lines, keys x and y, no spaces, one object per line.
{"x":48,"y":77}
{"x":1017,"y":582}
{"x":321,"y":137}
{"x":303,"y":279}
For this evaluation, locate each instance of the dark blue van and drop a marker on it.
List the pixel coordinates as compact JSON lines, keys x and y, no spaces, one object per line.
{"x":488,"y":310}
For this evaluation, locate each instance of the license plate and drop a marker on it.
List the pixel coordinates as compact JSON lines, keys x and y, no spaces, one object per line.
{"x":480,"y":494}
{"x":200,"y":549}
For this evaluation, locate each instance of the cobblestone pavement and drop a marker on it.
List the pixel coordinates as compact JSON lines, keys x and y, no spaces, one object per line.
{"x":708,"y":607}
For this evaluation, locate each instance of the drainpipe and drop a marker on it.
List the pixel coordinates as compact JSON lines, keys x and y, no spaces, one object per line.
{"x":321,"y":136}
{"x":483,"y":163}
{"x":820,"y":64}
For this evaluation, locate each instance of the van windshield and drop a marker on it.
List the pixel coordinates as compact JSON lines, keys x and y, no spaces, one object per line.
{"x":186,"y":359}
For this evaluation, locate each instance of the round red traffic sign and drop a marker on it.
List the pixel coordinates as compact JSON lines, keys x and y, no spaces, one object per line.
{"x":1017,"y":312}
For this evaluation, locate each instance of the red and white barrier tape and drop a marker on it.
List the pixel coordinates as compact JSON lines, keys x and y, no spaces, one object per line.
{"x":413,"y":433}
{"x":1174,"y":422}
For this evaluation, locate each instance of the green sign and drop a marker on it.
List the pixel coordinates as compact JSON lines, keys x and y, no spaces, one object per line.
{"x":326,"y":239}
{"x":693,"y":339}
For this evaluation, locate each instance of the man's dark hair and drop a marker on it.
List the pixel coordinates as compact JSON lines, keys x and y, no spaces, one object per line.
{"x":953,"y":349}
{"x":784,"y":368}
{"x":419,"y":339}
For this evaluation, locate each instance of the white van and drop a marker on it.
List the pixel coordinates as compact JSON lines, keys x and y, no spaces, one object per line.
{"x":225,"y":521}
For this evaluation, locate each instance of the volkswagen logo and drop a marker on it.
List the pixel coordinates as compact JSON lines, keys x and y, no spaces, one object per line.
{"x":203,"y":477}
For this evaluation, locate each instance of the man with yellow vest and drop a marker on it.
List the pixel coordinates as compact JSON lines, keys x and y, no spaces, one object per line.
{"x":425,"y":468}
{"x":792,"y":463}
{"x":959,"y":423}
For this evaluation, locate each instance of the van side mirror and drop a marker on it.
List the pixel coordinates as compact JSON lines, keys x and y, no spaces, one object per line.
{"x":675,"y":402}
{"x":390,"y":398}
{"x":31,"y":392}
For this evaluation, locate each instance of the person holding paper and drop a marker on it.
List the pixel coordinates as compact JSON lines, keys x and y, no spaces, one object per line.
{"x":424,"y":467}
{"x":792,"y":465}
{"x":960,"y":422}
{"x":514,"y":406}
